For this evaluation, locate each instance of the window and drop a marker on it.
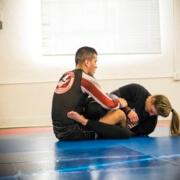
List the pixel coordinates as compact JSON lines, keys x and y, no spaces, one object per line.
{"x":111,"y":26}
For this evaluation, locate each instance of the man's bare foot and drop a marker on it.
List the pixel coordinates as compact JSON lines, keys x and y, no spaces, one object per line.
{"x":77,"y":117}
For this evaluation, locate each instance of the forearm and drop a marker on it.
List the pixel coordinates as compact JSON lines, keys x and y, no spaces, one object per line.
{"x":90,"y":86}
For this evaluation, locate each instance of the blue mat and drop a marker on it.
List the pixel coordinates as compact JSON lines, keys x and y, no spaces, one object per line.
{"x":43,"y":157}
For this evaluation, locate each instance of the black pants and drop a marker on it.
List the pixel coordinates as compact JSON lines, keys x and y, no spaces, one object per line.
{"x":94,"y":112}
{"x":73,"y":133}
{"x":92,"y":130}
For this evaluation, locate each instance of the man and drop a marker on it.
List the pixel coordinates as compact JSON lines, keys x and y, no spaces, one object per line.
{"x":71,"y":94}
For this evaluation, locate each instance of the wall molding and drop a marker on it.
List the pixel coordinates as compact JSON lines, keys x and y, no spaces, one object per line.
{"x":33,"y":121}
{"x":25,"y":121}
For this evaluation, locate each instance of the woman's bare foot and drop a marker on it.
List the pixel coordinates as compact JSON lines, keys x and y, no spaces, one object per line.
{"x":77,"y":117}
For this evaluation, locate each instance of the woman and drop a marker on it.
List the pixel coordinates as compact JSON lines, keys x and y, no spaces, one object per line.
{"x":142,"y":110}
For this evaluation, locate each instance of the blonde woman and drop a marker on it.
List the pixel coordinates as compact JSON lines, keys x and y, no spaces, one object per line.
{"x":142,"y":111}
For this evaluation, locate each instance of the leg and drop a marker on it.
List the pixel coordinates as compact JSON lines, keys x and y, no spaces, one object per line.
{"x":101,"y":128}
{"x":94,"y":111}
{"x":109,"y":131}
{"x":73,"y":133}
{"x":114,"y":117}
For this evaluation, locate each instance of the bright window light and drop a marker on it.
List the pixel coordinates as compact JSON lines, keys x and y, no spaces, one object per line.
{"x":111,"y":26}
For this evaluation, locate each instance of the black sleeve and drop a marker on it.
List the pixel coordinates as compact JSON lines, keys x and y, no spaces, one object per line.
{"x":109,"y":131}
{"x":146,"y":127}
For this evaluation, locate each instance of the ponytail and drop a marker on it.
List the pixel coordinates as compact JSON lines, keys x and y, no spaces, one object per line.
{"x":163,"y":108}
{"x":175,"y":123}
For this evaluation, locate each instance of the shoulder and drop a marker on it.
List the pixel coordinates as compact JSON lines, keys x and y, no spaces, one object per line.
{"x":88,"y":77}
{"x":90,"y":81}
{"x":132,"y":87}
{"x":140,"y":88}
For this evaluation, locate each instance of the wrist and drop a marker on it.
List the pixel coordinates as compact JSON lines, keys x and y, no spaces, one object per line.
{"x":84,"y":122}
{"x":127,"y":110}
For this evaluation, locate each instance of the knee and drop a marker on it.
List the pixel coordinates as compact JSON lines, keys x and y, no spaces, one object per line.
{"x":121,"y":116}
{"x":94,"y":111}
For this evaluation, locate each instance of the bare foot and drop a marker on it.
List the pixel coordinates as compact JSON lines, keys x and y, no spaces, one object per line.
{"x":77,"y":117}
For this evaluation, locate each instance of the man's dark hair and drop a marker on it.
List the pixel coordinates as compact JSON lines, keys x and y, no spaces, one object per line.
{"x":84,"y":53}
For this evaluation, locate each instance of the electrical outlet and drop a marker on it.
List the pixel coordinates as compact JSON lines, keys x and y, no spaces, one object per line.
{"x":176,"y":76}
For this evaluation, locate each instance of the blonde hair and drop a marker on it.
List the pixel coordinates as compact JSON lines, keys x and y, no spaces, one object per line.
{"x":163,"y":107}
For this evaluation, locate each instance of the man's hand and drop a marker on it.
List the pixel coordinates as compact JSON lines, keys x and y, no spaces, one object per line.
{"x":123,"y":102}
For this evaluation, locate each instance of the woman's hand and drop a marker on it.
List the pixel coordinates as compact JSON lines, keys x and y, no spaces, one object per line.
{"x":133,"y":117}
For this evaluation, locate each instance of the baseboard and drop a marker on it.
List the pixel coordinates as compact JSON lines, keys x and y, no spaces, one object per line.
{"x":33,"y":121}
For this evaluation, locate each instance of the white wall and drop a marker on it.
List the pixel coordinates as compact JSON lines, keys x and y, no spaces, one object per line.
{"x":27,"y":80}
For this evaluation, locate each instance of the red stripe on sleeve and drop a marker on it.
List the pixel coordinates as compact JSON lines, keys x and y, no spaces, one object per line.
{"x":98,"y":95}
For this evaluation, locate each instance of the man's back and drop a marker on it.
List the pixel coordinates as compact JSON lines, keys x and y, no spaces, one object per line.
{"x":68,"y":96}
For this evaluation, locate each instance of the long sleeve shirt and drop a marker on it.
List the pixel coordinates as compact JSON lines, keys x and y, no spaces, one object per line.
{"x":71,"y":94}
